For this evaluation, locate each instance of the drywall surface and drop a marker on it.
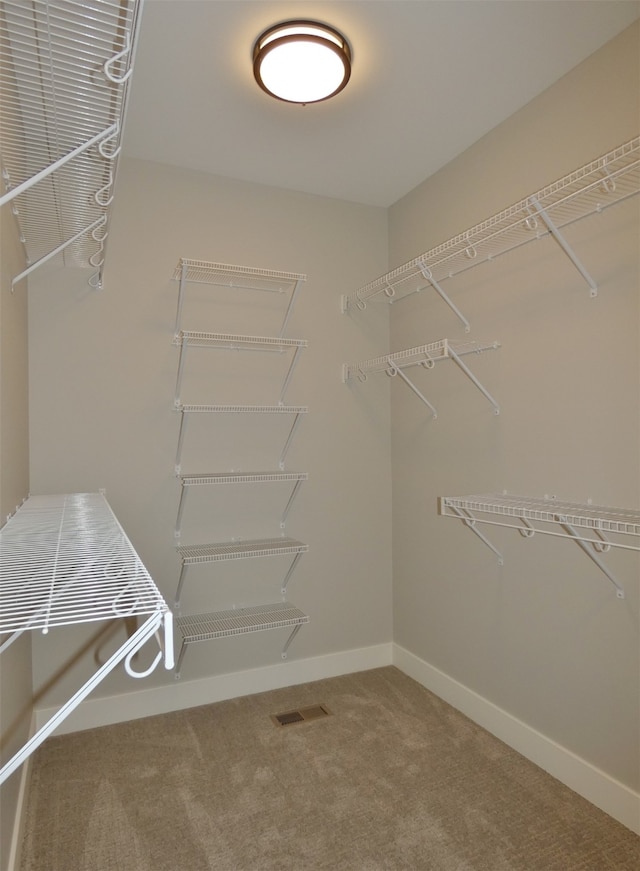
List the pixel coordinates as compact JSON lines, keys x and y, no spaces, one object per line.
{"x":543,"y":637}
{"x":15,"y":663}
{"x":103,"y":379}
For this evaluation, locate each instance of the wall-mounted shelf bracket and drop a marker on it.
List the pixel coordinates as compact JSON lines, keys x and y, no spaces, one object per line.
{"x":428,"y":274}
{"x":587,"y":525}
{"x":185,"y":410}
{"x":562,"y":242}
{"x":238,"y":478}
{"x":228,"y":342}
{"x":197,"y":554}
{"x":425,"y":356}
{"x":237,"y":278}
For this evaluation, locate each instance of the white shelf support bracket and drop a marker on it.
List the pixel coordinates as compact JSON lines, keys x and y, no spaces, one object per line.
{"x":181,"y":434}
{"x":183,"y":576}
{"x":394,"y":370}
{"x":470,"y":522}
{"x":183,"y":353}
{"x":287,"y":444}
{"x":438,"y":289}
{"x":570,"y":530}
{"x":295,"y":631}
{"x":287,"y":314}
{"x":562,"y":242}
{"x":181,"y":288}
{"x":472,"y":377}
{"x":183,"y":497}
{"x":285,"y":513}
{"x":289,"y":374}
{"x":287,"y":577}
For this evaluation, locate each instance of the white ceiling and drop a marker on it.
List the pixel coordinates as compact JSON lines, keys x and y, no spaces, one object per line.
{"x":430,"y":77}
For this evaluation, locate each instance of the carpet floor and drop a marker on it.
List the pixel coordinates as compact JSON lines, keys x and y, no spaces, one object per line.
{"x":393,"y":779}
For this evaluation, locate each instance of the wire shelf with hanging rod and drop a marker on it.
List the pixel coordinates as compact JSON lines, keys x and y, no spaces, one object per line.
{"x":592,"y":189}
{"x":65,"y":71}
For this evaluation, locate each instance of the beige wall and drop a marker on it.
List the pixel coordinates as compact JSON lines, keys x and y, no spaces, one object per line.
{"x":103,"y":371}
{"x":15,"y":663}
{"x":544,"y":637}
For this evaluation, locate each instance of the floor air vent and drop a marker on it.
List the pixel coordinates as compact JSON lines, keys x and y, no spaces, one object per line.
{"x":301,"y":715}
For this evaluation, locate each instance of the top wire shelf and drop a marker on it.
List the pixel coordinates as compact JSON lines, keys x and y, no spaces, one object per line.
{"x":236,"y":277}
{"x":66,"y":560}
{"x":65,"y":68}
{"x":604,"y":182}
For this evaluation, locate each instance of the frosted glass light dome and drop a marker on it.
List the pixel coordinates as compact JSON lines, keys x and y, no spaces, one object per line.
{"x":301,"y":61}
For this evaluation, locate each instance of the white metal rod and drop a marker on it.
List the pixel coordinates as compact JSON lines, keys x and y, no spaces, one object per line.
{"x":596,"y":559}
{"x":181,"y":580}
{"x":398,"y":371}
{"x":564,"y":245}
{"x":99,"y":222}
{"x":436,"y":286}
{"x":135,"y":642}
{"x":285,"y":513}
{"x":473,"y":378}
{"x":289,"y":373}
{"x":21,"y":188}
{"x":183,"y":351}
{"x":183,"y":427}
{"x":296,"y":629}
{"x":183,"y":280}
{"x":287,"y":314}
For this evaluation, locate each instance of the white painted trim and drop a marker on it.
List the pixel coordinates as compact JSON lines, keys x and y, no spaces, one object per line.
{"x":190,"y":693}
{"x":15,"y":848}
{"x":606,"y":793}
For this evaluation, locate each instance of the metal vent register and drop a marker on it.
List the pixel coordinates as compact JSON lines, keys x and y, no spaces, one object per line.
{"x":301,"y":715}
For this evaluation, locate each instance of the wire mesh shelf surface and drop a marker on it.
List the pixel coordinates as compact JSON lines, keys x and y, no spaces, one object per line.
{"x":232,"y":342}
{"x":239,"y":621}
{"x":422,"y":355}
{"x":230,"y":550}
{"x":243,"y":409}
{"x":65,"y":68}
{"x":241,"y":477}
{"x":598,"y":518}
{"x":593,"y":188}
{"x":244,"y":277}
{"x":66,"y":559}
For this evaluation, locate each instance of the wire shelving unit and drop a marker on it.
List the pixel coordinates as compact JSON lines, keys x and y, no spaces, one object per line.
{"x":594,"y":528}
{"x":424,"y":356}
{"x":589,"y":190}
{"x":65,"y":71}
{"x":65,"y":560}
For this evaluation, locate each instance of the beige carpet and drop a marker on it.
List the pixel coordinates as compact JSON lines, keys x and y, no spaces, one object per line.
{"x":393,"y":779}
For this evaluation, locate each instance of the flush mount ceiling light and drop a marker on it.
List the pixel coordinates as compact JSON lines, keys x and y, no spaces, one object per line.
{"x":301,"y":61}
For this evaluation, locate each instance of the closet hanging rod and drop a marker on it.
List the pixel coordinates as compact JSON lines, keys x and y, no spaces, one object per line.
{"x":591,"y":189}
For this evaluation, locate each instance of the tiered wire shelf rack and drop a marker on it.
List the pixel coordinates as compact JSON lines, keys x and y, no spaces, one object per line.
{"x":196,"y":628}
{"x":595,"y":529}
{"x":65,"y":70}
{"x":424,"y":356}
{"x":66,"y":560}
{"x":595,"y":187}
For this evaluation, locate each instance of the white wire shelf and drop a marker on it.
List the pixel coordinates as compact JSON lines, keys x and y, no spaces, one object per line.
{"x":237,"y":277}
{"x":198,"y":554}
{"x":591,"y":189}
{"x":241,"y":621}
{"x":225,"y":341}
{"x":65,"y":560}
{"x":588,"y":525}
{"x":425,"y":356}
{"x":204,"y":479}
{"x":295,"y":410}
{"x":65,"y":69}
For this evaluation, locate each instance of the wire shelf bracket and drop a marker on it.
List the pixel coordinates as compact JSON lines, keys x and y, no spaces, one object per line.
{"x":590,"y":190}
{"x":226,"y":341}
{"x":589,"y":526}
{"x":187,"y":481}
{"x":238,"y":277}
{"x":185,"y":410}
{"x":424,"y":356}
{"x":235,"y":550}
{"x":66,"y":560}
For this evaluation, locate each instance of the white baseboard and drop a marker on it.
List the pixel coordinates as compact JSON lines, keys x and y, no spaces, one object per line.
{"x":146,"y":702}
{"x":611,"y":796}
